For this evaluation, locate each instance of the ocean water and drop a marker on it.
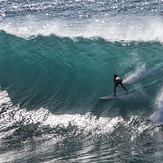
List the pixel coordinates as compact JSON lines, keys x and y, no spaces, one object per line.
{"x":57,"y":57}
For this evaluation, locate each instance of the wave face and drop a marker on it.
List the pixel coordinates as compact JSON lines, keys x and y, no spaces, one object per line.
{"x":57,"y":58}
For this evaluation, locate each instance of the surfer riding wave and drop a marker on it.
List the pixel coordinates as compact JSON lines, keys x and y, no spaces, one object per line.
{"x":117,"y":80}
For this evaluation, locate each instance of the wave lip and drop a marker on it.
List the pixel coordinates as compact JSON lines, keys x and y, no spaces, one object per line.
{"x":115,"y":29}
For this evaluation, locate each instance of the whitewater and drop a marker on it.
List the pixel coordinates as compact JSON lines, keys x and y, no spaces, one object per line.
{"x":57,"y":57}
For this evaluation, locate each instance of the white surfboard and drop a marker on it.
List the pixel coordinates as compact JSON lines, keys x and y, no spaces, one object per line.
{"x":112,"y":97}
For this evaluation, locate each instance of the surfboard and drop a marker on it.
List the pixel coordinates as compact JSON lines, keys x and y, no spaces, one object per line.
{"x":112,"y":97}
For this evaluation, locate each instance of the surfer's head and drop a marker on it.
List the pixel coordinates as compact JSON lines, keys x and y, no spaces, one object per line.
{"x":115,"y":75}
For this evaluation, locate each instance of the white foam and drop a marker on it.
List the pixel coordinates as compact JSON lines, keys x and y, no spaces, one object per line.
{"x":136,"y":75}
{"x":4,"y":99}
{"x":87,"y":122}
{"x":112,"y":29}
{"x":157,"y":116}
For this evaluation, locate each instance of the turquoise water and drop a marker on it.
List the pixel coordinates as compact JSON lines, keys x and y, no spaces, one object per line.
{"x":57,"y":58}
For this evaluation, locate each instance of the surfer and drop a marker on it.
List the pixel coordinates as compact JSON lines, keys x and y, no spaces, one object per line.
{"x":117,"y":80}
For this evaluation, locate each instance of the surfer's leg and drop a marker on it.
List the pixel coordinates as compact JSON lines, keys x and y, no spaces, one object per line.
{"x":115,"y":85}
{"x":124,"y":88}
{"x":114,"y":91}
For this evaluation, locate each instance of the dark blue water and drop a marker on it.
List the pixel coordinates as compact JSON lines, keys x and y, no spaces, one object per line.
{"x":57,"y":58}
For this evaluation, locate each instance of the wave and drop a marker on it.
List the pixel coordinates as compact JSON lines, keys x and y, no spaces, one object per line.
{"x":46,"y":71}
{"x":67,"y":77}
{"x":49,"y":99}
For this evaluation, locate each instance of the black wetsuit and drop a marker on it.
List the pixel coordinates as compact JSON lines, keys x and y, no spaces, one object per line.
{"x":117,"y":80}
